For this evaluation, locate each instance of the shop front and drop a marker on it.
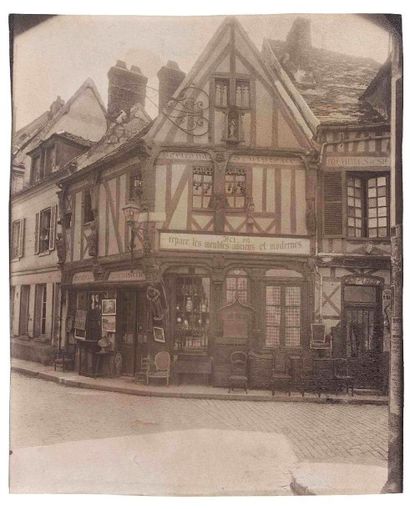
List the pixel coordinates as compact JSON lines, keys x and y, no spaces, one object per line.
{"x":219,"y":303}
{"x":108,"y":321}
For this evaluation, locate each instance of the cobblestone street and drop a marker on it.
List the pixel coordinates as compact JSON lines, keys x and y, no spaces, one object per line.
{"x":44,"y":413}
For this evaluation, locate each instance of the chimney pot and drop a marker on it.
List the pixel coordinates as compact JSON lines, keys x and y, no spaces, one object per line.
{"x":170,"y":77}
{"x":299,"y":41}
{"x":126,"y":88}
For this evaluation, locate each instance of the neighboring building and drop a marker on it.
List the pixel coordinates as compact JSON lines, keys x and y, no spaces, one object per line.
{"x":263,"y":183}
{"x":40,"y":150}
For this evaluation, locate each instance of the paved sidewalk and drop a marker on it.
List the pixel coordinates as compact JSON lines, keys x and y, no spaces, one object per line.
{"x":126,"y":385}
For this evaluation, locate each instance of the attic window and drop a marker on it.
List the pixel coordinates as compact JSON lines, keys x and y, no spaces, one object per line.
{"x":221,"y":92}
{"x":242,"y":92}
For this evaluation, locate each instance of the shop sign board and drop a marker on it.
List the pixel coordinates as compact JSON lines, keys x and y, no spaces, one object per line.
{"x":83,"y":277}
{"x":126,"y":275}
{"x":178,"y":241}
{"x":357,"y":162}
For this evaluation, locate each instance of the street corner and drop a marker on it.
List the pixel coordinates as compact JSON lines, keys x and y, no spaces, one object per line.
{"x":338,"y":479}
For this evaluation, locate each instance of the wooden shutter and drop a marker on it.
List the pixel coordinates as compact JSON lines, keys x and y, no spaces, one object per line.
{"x":332,"y":204}
{"x":21,"y":238}
{"x":52,"y":234}
{"x":37,"y":234}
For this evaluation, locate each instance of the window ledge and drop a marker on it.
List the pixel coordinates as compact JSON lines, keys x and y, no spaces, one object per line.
{"x":45,"y":253}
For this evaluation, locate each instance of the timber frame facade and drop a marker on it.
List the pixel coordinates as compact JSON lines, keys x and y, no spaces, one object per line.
{"x":243,"y":200}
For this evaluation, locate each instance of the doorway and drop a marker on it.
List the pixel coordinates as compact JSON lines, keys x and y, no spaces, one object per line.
{"x":24,"y":310}
{"x":127,"y":330}
{"x":362,"y":318}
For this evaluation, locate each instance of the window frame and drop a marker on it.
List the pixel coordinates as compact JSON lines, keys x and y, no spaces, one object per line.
{"x":364,"y":178}
{"x":88,"y":212}
{"x":283,"y":285}
{"x":243,"y":275}
{"x":40,"y":249}
{"x":246,"y":193}
{"x":17,"y":245}
{"x":210,"y":170}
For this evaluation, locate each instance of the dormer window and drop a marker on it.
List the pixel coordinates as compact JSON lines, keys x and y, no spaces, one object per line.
{"x":36,"y":169}
{"x":221,"y":92}
{"x":242,"y":93}
{"x":50,"y":159}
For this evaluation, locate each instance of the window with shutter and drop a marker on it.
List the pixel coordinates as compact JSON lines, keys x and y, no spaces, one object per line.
{"x":21,"y":238}
{"x":332,"y":204}
{"x":37,"y":234}
{"x":17,"y":239}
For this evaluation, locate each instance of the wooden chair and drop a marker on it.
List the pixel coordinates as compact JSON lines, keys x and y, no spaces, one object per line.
{"x":281,"y":377}
{"x":342,"y":376}
{"x":65,"y":358}
{"x":323,"y":372}
{"x":161,"y":369}
{"x":141,"y":376}
{"x":239,"y":371}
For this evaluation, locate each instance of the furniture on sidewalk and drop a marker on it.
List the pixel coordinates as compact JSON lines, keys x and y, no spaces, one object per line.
{"x":141,"y":376}
{"x":239,"y":371}
{"x":342,"y":375}
{"x":86,"y":357}
{"x":65,"y":358}
{"x":161,"y":369}
{"x":99,"y":363}
{"x":193,"y":364}
{"x":281,"y":378}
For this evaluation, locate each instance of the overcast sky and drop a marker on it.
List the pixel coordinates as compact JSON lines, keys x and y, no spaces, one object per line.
{"x":58,"y":55}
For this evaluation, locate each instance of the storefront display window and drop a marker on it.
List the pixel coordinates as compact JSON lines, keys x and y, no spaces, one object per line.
{"x":282,"y":316}
{"x":192,"y":294}
{"x":236,"y":286}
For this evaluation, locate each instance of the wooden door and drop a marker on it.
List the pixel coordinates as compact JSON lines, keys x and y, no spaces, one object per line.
{"x":24,"y":310}
{"x":127,"y":327}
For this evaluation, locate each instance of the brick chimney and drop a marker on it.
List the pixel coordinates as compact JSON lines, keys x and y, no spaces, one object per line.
{"x":126,"y":87}
{"x":299,"y":41}
{"x":170,"y":77}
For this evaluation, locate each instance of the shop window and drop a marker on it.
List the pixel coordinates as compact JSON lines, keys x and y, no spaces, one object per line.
{"x":221,"y":92}
{"x":45,"y":230}
{"x":236,"y":286}
{"x":40,"y":310}
{"x":367,"y":206}
{"x":235,"y":188}
{"x":192,"y":294}
{"x":17,"y":239}
{"x":202,"y":187}
{"x":88,"y":209}
{"x":282,"y":316}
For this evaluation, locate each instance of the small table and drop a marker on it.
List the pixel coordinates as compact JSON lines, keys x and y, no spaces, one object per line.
{"x":88,"y":348}
{"x":99,"y":361}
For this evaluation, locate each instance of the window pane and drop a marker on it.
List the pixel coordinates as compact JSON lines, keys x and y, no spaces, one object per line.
{"x":381,"y":202}
{"x":372,"y":212}
{"x":292,"y":336}
{"x":381,"y":181}
{"x":372,"y":192}
{"x":372,"y":232}
{"x":273,"y":295}
{"x":372,"y":182}
{"x":292,"y":296}
{"x":272,"y":337}
{"x":382,"y":212}
{"x":383,"y":221}
{"x":383,"y":232}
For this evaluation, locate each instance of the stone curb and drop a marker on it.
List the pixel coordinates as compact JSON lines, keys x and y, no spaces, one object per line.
{"x":187,"y":395}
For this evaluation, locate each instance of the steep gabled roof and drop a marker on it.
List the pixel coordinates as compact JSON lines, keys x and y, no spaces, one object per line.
{"x":295,"y":104}
{"x":330,"y":83}
{"x":122,"y":133}
{"x":28,"y":137}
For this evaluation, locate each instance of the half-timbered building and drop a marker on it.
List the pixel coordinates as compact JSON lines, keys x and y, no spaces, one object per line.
{"x":248,"y":215}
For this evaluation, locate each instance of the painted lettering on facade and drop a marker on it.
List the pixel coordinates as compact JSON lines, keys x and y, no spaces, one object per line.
{"x":280,"y":161}
{"x":83,"y":277}
{"x":234,"y":243}
{"x":357,"y":162}
{"x":126,"y":275}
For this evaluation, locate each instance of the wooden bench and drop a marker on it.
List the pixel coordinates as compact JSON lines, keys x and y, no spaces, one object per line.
{"x":190,"y":364}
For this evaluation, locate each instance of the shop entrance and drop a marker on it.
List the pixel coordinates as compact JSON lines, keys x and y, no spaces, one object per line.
{"x":127,"y":327}
{"x":362,"y":318}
